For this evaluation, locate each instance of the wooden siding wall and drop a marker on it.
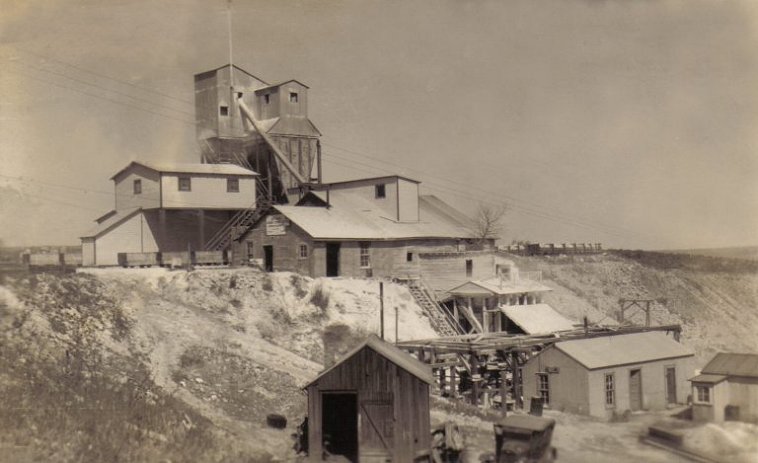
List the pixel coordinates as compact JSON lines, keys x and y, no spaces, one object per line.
{"x":568,"y":389}
{"x":445,"y":272}
{"x":285,"y":247}
{"x":124,"y":186}
{"x":407,"y":201}
{"x":743,"y":392}
{"x":300,"y":152}
{"x":405,"y":424}
{"x":207,"y":192}
{"x":578,"y":390}
{"x":132,"y":235}
{"x":715,"y":410}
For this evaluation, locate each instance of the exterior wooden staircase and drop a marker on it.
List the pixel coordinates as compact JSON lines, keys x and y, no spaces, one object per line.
{"x":441,"y":319}
{"x":237,"y":225}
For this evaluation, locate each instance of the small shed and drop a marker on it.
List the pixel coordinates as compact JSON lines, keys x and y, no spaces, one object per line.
{"x":371,"y":405}
{"x":610,"y":374}
{"x":727,"y":389}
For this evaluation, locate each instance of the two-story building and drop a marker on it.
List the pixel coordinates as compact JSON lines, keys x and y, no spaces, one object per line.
{"x":167,"y":208}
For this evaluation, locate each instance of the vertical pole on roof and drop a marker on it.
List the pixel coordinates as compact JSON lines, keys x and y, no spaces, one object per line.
{"x":647,"y":313}
{"x":229,"y":20}
{"x":318,"y":160}
{"x":381,"y":307}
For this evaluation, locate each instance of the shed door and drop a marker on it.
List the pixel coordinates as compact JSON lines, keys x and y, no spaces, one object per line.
{"x":268,"y":258}
{"x":635,"y":390}
{"x":332,"y":259}
{"x":670,"y":385}
{"x":339,"y":424}
{"x":377,"y":429}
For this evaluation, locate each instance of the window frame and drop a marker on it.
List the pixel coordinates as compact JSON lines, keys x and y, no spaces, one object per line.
{"x":364,"y":254}
{"x":380,"y":191}
{"x":267,"y":98}
{"x":188,"y":180}
{"x":232,"y":181}
{"x":302,"y":251}
{"x":294,"y":98}
{"x":469,"y":267}
{"x":699,"y":388}
{"x":223,"y":110}
{"x":250,"y":250}
{"x":610,"y":390}
{"x":409,"y":256}
{"x":543,"y":387}
{"x":137,"y":186}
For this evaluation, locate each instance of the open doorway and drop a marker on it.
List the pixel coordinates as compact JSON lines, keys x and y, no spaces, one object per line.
{"x":332,"y":259}
{"x":339,"y":424}
{"x":268,"y":258}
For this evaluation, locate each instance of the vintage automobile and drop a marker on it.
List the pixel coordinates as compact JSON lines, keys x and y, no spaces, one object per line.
{"x":524,"y":439}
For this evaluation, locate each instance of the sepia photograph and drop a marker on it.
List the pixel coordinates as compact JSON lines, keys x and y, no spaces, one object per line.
{"x":364,"y":231}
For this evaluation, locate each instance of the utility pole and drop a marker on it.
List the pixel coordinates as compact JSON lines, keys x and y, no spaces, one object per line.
{"x":381,"y":308}
{"x":396,"y":322}
{"x":641,"y":304}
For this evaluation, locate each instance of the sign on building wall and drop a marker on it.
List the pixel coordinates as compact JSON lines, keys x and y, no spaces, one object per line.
{"x":276,"y":225}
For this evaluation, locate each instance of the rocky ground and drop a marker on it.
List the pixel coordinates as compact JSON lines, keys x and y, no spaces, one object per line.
{"x":158,"y":365}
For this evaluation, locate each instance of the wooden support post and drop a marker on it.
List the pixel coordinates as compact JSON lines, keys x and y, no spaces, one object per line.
{"x":453,"y":383}
{"x":381,"y":308}
{"x":516,"y":379}
{"x":503,"y":391}
{"x":647,"y":313}
{"x":474,"y":384}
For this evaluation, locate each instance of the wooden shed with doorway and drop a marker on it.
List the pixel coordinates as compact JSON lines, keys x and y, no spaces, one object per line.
{"x":371,"y":405}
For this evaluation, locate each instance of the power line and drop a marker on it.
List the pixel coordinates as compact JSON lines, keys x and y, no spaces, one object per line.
{"x":146,"y":89}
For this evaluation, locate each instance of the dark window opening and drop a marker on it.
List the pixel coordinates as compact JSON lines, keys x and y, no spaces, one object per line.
{"x":380,"y":191}
{"x":233,"y":185}
{"x":185,"y":184}
{"x":239,"y":95}
{"x":469,"y":267}
{"x":223,"y":110}
{"x":267,"y":98}
{"x":293,"y":97}
{"x":409,"y":257}
{"x":137,"y":187}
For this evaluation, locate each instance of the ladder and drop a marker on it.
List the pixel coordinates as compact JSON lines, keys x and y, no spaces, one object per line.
{"x":441,"y":320}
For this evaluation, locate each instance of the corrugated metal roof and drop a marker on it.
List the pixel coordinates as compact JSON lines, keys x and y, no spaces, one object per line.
{"x":623,"y":349}
{"x":111,"y":222}
{"x":537,"y":318}
{"x":183,"y":168}
{"x":733,"y":365}
{"x":712,"y":379}
{"x":391,"y":353}
{"x":499,"y":286}
{"x":354,"y":218}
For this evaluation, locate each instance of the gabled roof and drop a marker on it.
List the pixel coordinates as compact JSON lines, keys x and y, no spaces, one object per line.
{"x":351,"y":217}
{"x":325,"y":186}
{"x":389,"y":352}
{"x":498,"y":286}
{"x":186,"y":168}
{"x":280,"y":84}
{"x":733,"y":365}
{"x":623,"y":349}
{"x":235,"y":67}
{"x":537,"y":318}
{"x":111,"y":222}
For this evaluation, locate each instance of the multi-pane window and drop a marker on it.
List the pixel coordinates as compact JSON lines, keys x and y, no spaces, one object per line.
{"x":703,"y":394}
{"x":610,"y":389}
{"x":302,"y":251}
{"x":233,"y":185}
{"x":409,"y":257}
{"x":543,"y":387}
{"x":365,"y":256}
{"x":137,"y":186}
{"x":250,"y":250}
{"x":380,"y":191}
{"x":185,"y":184}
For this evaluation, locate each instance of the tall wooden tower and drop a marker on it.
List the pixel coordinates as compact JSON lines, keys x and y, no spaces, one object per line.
{"x":285,"y":154}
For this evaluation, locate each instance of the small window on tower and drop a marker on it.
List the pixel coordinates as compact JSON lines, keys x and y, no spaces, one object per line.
{"x":223,"y":110}
{"x":380,"y":191}
{"x":267,"y":98}
{"x":137,"y":187}
{"x":409,"y":257}
{"x":185,"y":184}
{"x":239,"y":95}
{"x":293,"y":97}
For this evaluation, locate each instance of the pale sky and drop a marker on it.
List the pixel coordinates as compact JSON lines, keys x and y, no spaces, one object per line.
{"x":631,"y":123}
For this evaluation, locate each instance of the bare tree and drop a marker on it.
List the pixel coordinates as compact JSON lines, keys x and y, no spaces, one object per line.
{"x":488,"y":222}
